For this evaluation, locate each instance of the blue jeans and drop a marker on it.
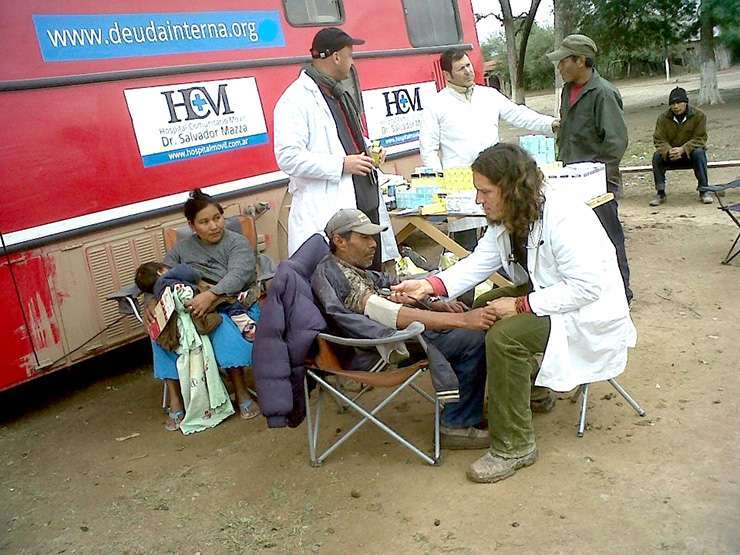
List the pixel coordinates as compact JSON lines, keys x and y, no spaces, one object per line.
{"x":466,"y":352}
{"x":697,"y":161}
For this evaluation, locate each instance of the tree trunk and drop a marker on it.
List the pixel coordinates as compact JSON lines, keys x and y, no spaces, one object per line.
{"x":526,"y":30}
{"x":509,"y":32}
{"x":708,"y":89}
{"x":667,"y":70}
{"x":563,"y":26}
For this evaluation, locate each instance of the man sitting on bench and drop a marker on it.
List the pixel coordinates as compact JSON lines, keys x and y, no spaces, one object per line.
{"x":680,"y":143}
{"x":353,"y":299}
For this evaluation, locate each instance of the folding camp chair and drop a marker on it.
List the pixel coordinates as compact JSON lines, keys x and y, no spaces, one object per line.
{"x":730,"y":210}
{"x":378,"y":377}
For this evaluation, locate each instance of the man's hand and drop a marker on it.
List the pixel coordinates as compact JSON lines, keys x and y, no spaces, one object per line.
{"x":504,"y":307}
{"x":402,"y":298}
{"x":556,"y":126}
{"x":450,"y":306}
{"x":201,"y":303}
{"x":479,"y":319}
{"x":357,"y":164}
{"x":676,"y":153}
{"x":419,"y":289}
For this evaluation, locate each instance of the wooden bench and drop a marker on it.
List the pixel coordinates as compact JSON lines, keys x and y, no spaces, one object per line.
{"x":716,"y":164}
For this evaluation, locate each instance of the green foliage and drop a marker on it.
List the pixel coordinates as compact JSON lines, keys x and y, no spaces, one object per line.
{"x":726,"y":15}
{"x":538,"y":71}
{"x":635,"y":33}
{"x":633,"y":36}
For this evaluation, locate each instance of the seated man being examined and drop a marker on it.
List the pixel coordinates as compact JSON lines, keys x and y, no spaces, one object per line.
{"x":567,"y":302}
{"x":680,"y":143}
{"x":352,"y":297}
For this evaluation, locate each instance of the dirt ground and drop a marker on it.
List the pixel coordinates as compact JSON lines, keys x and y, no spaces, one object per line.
{"x":665,"y":482}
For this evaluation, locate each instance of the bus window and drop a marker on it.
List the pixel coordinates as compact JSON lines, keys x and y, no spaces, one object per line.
{"x":432,"y":22}
{"x":313,"y":12}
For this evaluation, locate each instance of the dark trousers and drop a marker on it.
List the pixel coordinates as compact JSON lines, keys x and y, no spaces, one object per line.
{"x":465,"y":350}
{"x":697,"y":161}
{"x":608,"y":215}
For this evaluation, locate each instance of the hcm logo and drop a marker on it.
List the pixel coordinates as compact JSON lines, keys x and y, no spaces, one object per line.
{"x":196,"y":103}
{"x":401,"y":101}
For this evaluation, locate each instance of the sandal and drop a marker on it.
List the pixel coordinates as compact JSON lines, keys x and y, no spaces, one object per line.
{"x":249,"y":409}
{"x":173,"y":421}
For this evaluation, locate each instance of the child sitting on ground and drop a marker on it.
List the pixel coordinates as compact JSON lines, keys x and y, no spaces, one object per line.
{"x":155,"y":277}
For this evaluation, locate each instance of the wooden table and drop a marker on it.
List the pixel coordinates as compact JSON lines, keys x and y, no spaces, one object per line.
{"x":410,"y":222}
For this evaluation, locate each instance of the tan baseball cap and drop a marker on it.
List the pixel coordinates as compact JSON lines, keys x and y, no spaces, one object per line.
{"x":351,"y":219}
{"x":574,"y":45}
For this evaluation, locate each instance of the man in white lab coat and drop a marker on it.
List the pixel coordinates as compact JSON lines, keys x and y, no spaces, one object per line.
{"x":319,"y":143}
{"x":463,"y":119}
{"x":566,"y":301}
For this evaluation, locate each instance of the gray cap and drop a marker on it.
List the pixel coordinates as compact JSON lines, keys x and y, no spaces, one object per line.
{"x":574,"y":45}
{"x":351,"y":219}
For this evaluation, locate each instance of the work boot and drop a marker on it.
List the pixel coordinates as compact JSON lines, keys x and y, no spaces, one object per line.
{"x":706,"y":197}
{"x":492,"y":468}
{"x":464,"y":438}
{"x":658,"y":199}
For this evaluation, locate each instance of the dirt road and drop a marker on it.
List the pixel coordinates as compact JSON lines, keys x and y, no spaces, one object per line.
{"x":667,"y":482}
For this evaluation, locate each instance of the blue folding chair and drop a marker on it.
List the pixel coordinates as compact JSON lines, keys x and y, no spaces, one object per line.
{"x":731,"y":210}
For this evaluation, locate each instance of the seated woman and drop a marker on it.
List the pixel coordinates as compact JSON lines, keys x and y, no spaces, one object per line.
{"x":226,"y":260}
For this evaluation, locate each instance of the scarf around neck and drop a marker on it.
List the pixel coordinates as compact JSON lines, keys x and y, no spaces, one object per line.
{"x":347,"y":103}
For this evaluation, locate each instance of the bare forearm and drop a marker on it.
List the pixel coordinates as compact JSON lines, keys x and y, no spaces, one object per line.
{"x":434,"y":321}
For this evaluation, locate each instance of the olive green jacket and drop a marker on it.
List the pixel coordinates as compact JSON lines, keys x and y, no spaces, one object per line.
{"x":690,"y":134}
{"x":593,"y":129}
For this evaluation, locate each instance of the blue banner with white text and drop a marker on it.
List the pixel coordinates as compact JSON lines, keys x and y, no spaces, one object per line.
{"x":91,"y":37}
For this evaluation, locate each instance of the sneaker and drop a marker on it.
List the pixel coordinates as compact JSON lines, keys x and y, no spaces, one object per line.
{"x":658,"y":200}
{"x":492,"y":468}
{"x":706,"y":197}
{"x":464,"y":438}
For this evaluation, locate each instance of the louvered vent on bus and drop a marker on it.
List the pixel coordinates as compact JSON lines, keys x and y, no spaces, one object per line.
{"x":112,"y":266}
{"x":439,"y":77}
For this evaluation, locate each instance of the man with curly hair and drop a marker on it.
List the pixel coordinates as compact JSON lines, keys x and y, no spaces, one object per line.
{"x":566,"y":301}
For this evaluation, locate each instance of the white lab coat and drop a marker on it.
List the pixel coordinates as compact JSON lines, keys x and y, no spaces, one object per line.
{"x":458,"y":130}
{"x":454,"y":131}
{"x":308,"y":149}
{"x":573,"y":268}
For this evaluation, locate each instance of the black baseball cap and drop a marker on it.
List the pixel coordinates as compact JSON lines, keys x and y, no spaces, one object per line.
{"x":678,"y":95}
{"x":330,"y":40}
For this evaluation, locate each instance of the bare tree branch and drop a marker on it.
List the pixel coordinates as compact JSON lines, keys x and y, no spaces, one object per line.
{"x":480,"y":17}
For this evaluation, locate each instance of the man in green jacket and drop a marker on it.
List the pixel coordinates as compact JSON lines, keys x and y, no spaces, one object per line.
{"x":592,"y":129}
{"x":680,"y":143}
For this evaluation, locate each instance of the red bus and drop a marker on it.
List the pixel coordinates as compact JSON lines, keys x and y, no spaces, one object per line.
{"x":113,"y":111}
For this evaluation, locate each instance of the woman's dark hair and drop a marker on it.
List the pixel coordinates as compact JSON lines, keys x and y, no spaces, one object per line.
{"x":515,"y":172}
{"x":196,"y":202}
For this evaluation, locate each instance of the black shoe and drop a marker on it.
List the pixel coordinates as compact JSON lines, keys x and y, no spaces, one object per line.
{"x":543,"y":406}
{"x":464,"y":438}
{"x":658,"y":200}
